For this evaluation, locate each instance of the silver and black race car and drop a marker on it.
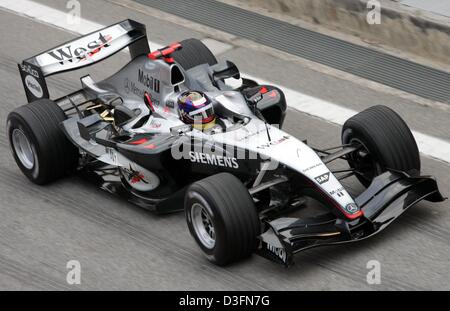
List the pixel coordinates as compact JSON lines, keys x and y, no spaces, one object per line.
{"x":245,"y":185}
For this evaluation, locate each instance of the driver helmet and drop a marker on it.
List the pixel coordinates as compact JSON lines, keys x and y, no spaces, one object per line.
{"x":197,"y":109}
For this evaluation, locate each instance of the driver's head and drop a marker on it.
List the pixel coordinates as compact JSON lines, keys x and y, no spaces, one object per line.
{"x":197,"y":109}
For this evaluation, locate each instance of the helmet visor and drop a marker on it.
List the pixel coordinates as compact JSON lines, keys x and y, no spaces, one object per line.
{"x":203,"y":115}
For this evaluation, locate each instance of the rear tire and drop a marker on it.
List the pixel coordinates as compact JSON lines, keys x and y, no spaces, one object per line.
{"x":193,"y":53}
{"x":39,"y":146}
{"x":222,"y":218}
{"x":387,"y":143}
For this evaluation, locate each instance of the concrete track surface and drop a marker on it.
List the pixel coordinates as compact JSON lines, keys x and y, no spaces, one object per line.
{"x":122,"y":247}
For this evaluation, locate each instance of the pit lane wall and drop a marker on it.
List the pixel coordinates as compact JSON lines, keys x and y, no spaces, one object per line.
{"x":410,"y":30}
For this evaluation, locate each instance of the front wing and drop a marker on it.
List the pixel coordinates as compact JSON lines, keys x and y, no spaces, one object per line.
{"x":389,"y":196}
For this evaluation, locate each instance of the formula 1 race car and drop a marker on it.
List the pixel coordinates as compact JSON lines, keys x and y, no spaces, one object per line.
{"x":168,"y":133}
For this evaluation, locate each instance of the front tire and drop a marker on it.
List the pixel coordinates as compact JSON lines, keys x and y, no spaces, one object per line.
{"x":222,"y":218}
{"x":386,"y":140}
{"x":39,"y":146}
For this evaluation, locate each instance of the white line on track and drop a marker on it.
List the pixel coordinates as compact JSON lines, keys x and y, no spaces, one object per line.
{"x":430,"y":146}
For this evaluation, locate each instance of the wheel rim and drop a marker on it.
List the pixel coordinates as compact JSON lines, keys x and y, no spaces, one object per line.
{"x":203,"y":225}
{"x":23,"y":149}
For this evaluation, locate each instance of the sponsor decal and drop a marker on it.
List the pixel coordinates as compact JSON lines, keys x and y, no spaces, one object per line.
{"x":213,"y":159}
{"x":139,"y":178}
{"x":252,"y":134}
{"x":277,"y":251}
{"x":321,"y":179}
{"x":339,"y":192}
{"x":34,"y":87}
{"x":170,"y":104}
{"x":85,"y":50}
{"x":351,"y":208}
{"x":148,"y":81}
{"x":28,"y":69}
{"x":81,"y":53}
{"x":274,"y":142}
{"x":155,"y":125}
{"x":131,"y":88}
{"x":312,"y":167}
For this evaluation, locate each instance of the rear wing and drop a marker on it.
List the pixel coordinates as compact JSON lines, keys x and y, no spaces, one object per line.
{"x":81,"y":52}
